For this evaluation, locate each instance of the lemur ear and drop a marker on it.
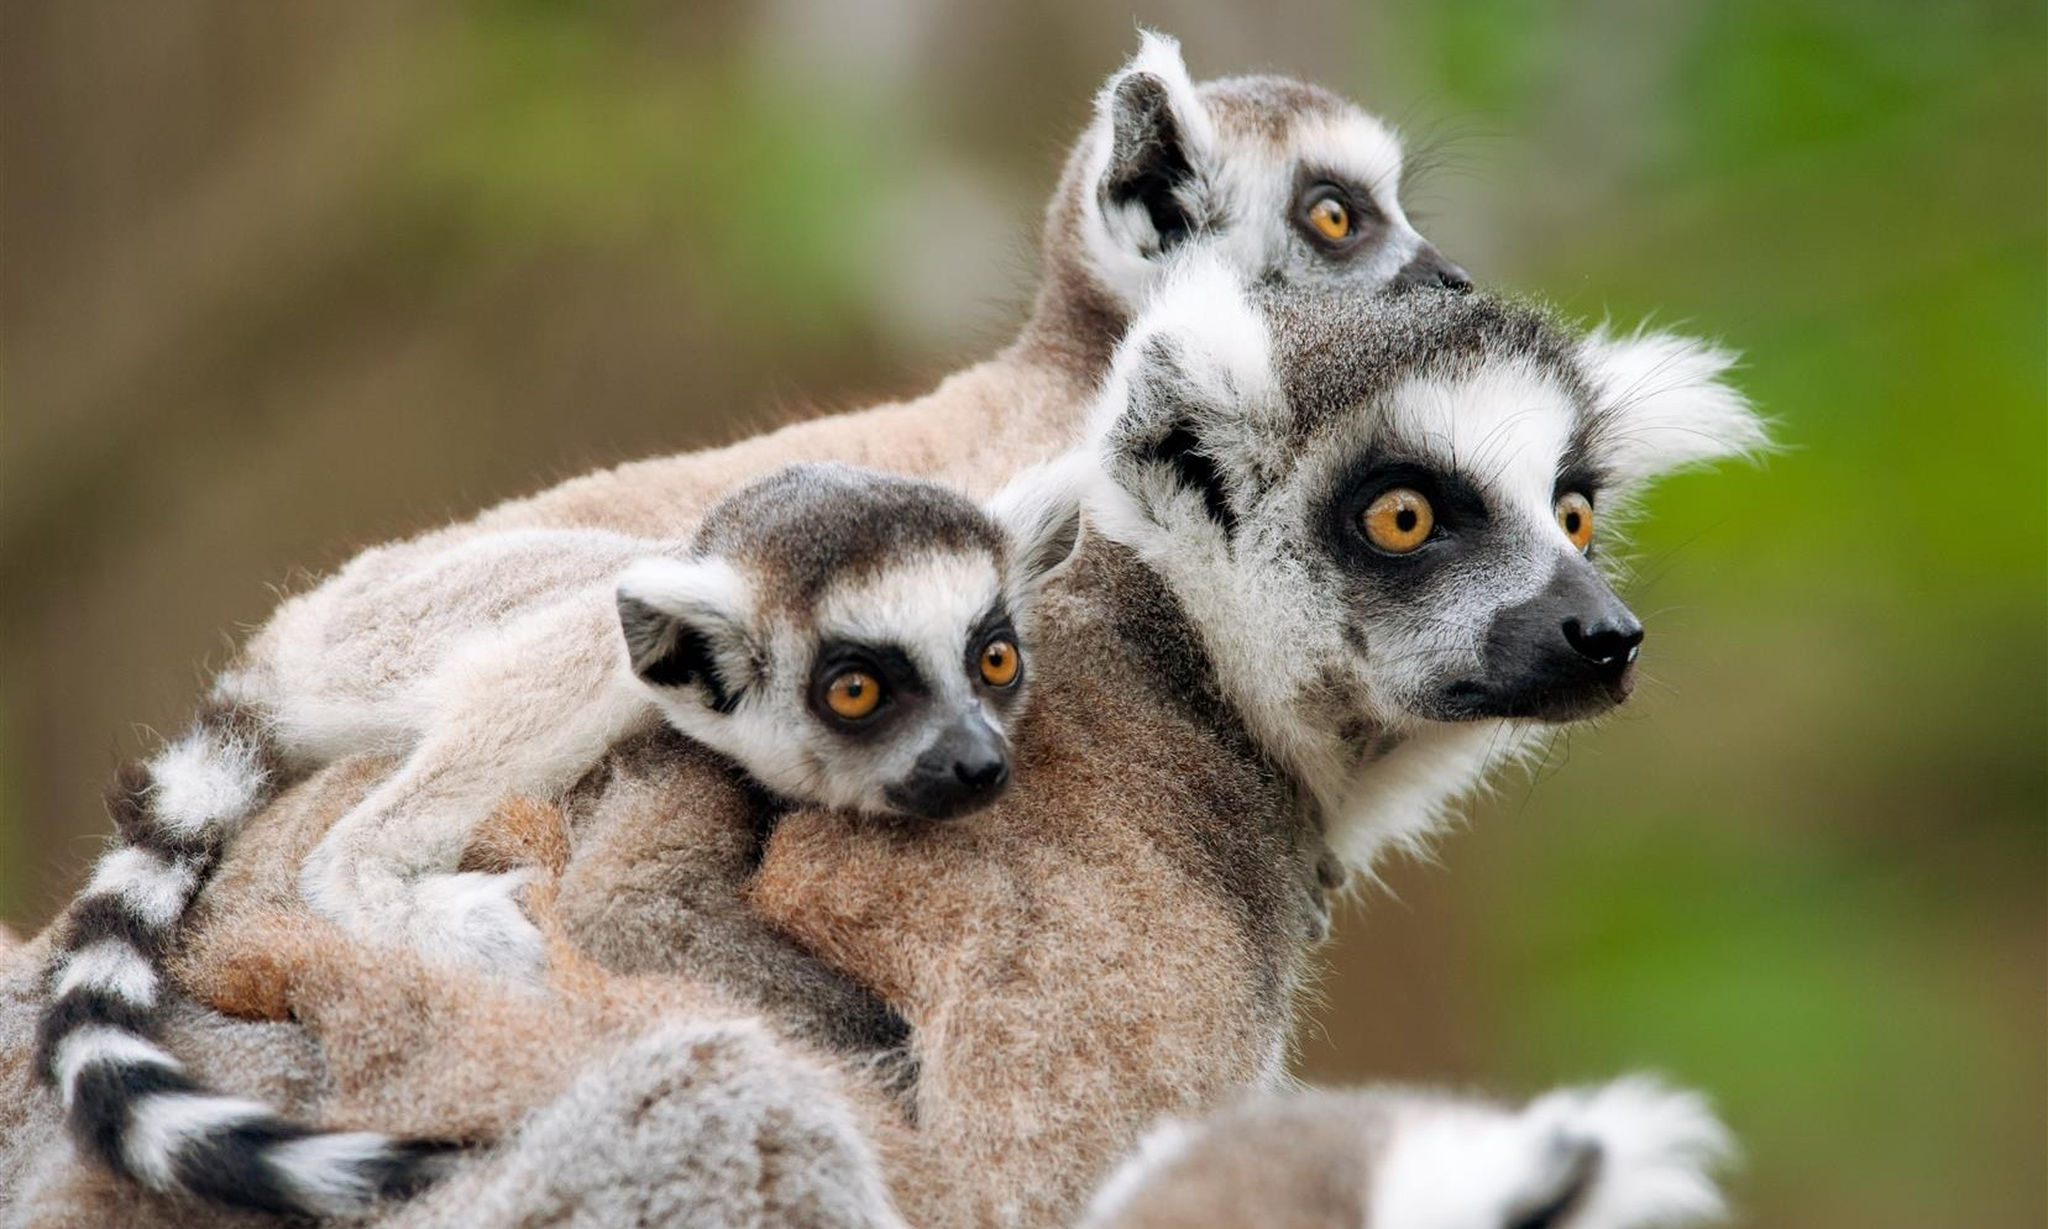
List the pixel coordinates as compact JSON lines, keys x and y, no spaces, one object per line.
{"x":1663,"y":403}
{"x":1189,"y":393}
{"x":1040,"y":510}
{"x":685,"y":625}
{"x":1159,"y":141}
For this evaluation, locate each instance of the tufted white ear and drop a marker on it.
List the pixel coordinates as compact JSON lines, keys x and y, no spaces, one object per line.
{"x":1040,"y":510}
{"x":1664,"y":403}
{"x":1152,"y":154}
{"x":686,"y":624}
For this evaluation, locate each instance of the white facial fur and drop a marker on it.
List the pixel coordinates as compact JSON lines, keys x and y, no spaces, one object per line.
{"x":1245,"y":172}
{"x":1347,"y":666}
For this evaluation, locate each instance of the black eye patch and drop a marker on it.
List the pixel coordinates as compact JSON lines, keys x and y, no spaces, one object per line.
{"x":887,"y":663}
{"x":1459,"y":511}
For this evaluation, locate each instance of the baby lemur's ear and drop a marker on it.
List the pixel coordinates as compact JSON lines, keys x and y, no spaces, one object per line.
{"x":1158,"y":143}
{"x":1040,"y":511}
{"x":687,"y":624}
{"x":1663,"y":402}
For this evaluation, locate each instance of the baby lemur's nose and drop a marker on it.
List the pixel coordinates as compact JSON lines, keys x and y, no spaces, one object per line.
{"x":1609,"y":641}
{"x":982,"y":773}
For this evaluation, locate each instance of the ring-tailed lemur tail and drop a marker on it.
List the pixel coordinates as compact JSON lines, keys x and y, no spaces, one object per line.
{"x":128,"y":1100}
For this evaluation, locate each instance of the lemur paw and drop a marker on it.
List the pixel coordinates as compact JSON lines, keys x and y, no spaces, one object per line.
{"x":474,"y":919}
{"x":1632,"y":1154}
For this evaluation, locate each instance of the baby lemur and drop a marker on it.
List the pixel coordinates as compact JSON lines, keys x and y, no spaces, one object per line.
{"x":849,"y":638}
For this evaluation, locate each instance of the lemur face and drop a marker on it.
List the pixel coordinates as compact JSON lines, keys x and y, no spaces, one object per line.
{"x":1388,"y":513}
{"x":850,"y":638}
{"x":1288,"y":182}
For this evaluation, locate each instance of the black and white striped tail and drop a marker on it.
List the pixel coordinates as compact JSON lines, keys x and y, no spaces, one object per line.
{"x":128,"y":1101}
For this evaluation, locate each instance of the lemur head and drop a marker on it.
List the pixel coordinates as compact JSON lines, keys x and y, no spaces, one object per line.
{"x":852,"y":638}
{"x":1287,"y":181}
{"x":1386,"y":516}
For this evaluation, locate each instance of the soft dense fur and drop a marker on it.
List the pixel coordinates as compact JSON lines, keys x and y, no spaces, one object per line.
{"x":637,"y":1072}
{"x":1195,"y":735}
{"x":1165,"y":166}
{"x":1626,"y":1155}
{"x":511,"y":662}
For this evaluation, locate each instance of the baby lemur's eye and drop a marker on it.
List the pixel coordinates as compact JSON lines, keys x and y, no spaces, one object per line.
{"x":1575,"y":517}
{"x":1329,"y":215}
{"x":1399,"y":521}
{"x":999,"y":663}
{"x":853,"y":694}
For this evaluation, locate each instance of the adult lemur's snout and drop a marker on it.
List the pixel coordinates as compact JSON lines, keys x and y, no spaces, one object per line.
{"x":1568,"y":652}
{"x":1430,"y":269}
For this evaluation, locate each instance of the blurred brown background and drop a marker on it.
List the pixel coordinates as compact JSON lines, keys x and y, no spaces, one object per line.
{"x":281,"y":281}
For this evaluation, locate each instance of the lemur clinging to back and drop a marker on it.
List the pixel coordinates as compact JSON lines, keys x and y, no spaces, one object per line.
{"x":1287,"y":182}
{"x":849,"y":638}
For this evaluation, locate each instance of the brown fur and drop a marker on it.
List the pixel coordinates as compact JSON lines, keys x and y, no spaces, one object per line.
{"x":1055,"y":1018}
{"x":1056,"y":1013}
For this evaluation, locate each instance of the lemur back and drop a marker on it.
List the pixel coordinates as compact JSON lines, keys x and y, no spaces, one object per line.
{"x":848,"y":638}
{"x":1287,"y":182}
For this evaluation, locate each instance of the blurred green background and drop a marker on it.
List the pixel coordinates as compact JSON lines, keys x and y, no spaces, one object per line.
{"x":281,"y":281}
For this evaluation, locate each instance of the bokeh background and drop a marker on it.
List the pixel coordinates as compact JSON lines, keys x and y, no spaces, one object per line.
{"x":281,"y":281}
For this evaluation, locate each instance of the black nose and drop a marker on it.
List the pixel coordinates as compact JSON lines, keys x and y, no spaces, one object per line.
{"x":1609,"y":641}
{"x":1430,"y":269}
{"x":982,"y":773}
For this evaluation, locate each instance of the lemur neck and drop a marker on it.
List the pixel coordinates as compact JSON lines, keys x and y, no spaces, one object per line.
{"x":1075,"y":324}
{"x":1370,"y":787}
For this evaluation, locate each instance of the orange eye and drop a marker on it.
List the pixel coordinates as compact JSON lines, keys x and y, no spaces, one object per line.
{"x":1330,"y":218}
{"x":999,"y":663}
{"x":853,"y":694}
{"x":1398,"y":521}
{"x":1575,"y":517}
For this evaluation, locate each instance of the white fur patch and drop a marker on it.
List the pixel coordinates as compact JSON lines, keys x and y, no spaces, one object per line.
{"x":925,"y":604}
{"x":1454,"y":1164}
{"x":1038,"y":509}
{"x":474,"y":919}
{"x":1156,"y":1149}
{"x":110,"y":966}
{"x":687,"y":587}
{"x":153,"y":889}
{"x":1664,"y":404}
{"x":329,"y":1172}
{"x":94,"y":1044}
{"x":1504,"y":425}
{"x":205,"y":785}
{"x":160,"y":1125}
{"x":1659,"y":1148}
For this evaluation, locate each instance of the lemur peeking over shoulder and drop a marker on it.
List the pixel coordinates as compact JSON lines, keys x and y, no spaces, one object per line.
{"x":848,"y":638}
{"x":1286,"y":182}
